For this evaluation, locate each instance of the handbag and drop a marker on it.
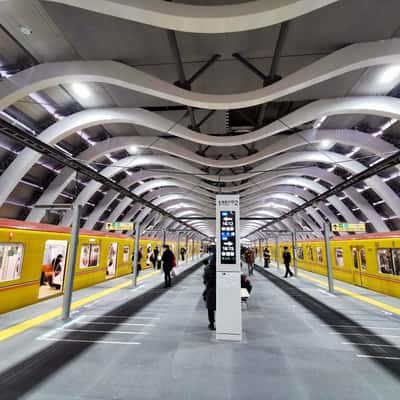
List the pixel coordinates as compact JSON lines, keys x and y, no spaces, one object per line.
{"x":174,"y":262}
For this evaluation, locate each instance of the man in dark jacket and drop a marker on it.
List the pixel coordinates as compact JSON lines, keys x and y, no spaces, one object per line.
{"x":286,"y":260}
{"x":210,"y":280}
{"x":168,"y":263}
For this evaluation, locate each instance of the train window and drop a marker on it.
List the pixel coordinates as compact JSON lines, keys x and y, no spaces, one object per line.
{"x":90,"y":255}
{"x":396,"y":261}
{"x":53,"y":267}
{"x":355,"y":257}
{"x":363,"y":258}
{"x":320,"y":259}
{"x":125,"y":254}
{"x":385,"y":261}
{"x":11,"y":255}
{"x":339,"y":257}
{"x":310,"y":254}
{"x":300,"y":254}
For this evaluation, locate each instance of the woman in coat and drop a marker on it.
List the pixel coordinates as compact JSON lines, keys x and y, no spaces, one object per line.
{"x":210,"y":280}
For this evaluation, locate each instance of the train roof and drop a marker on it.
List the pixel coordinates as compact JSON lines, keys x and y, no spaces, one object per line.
{"x":35,"y":226}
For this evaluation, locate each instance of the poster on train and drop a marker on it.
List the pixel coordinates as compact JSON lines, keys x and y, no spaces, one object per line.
{"x":10,"y":261}
{"x":90,"y":254}
{"x":112,"y":259}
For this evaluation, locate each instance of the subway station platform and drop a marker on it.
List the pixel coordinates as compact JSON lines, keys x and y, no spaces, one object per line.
{"x":299,"y":342}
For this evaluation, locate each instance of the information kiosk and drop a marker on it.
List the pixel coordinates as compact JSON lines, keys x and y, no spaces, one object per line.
{"x":229,"y":312}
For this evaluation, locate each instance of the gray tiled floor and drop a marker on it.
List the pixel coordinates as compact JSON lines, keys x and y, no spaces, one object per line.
{"x":292,"y":349}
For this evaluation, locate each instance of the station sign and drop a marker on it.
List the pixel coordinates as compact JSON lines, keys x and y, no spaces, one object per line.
{"x":346,"y":227}
{"x":120,"y":226}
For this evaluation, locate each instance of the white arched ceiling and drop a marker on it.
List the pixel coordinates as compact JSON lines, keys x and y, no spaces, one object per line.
{"x":350,"y":58}
{"x":67,"y":126}
{"x":21,"y":165}
{"x":66,"y":176}
{"x":94,"y":117}
{"x":93,"y":186}
{"x":333,"y":180}
{"x":141,"y":176}
{"x":169,"y":194}
{"x":329,"y":158}
{"x":303,"y":194}
{"x":202,"y":19}
{"x":367,"y":142}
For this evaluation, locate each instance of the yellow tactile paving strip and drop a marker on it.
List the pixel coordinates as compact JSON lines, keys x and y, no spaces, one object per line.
{"x":40,"y":319}
{"x":360,"y":297}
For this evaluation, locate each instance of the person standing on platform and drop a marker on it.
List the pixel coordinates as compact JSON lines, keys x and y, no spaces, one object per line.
{"x":287,"y":257}
{"x":156,"y":258}
{"x":183,"y":253}
{"x":168,"y":261}
{"x":267,"y":257}
{"x":140,"y":256}
{"x":210,"y":280}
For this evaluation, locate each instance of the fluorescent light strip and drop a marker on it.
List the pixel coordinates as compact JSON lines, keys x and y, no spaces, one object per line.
{"x":15,"y":122}
{"x":354,"y":151}
{"x":384,"y":127}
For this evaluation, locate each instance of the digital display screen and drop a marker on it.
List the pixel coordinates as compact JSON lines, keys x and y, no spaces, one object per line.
{"x":228,"y":237}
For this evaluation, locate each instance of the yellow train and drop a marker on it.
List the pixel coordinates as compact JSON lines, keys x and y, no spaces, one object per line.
{"x":368,"y":260}
{"x":33,"y":259}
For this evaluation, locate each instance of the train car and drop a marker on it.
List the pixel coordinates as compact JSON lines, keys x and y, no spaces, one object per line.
{"x":33,"y":258}
{"x":368,"y":260}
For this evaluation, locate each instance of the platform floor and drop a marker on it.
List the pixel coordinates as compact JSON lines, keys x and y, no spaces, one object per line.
{"x":299,"y":343}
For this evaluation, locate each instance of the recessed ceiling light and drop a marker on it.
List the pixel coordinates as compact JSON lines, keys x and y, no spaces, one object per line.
{"x":325,"y":143}
{"x":390,"y":74}
{"x":133,"y":149}
{"x":25,"y":30}
{"x":81,"y":90}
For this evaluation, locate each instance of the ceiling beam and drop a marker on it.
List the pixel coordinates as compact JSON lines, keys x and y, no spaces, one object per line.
{"x":388,"y":162}
{"x":62,"y":158}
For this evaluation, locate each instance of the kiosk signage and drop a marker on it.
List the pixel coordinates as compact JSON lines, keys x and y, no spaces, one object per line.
{"x":229,"y":313}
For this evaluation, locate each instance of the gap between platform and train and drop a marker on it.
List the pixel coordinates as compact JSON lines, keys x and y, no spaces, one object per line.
{"x":40,"y":319}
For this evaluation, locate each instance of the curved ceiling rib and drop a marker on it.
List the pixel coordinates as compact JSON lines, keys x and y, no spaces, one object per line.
{"x":127,"y":182}
{"x":165,"y":192}
{"x":328,"y":157}
{"x":65,"y":177}
{"x":91,"y":188}
{"x":374,"y":105}
{"x":384,"y":106}
{"x":202,"y":19}
{"x":353,"y":57}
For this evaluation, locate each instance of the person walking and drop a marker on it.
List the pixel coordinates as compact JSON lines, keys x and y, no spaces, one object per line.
{"x":167,"y":263}
{"x":287,"y":257}
{"x":210,"y":280}
{"x":267,"y":257}
{"x":249,"y":257}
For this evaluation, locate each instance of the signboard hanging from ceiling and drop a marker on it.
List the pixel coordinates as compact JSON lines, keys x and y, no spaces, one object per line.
{"x":346,"y":227}
{"x":119,"y":226}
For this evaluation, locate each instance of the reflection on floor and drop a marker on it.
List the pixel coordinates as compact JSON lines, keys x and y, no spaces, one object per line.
{"x":46,"y":291}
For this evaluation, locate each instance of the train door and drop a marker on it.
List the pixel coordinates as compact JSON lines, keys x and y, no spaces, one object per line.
{"x":53,"y":267}
{"x":359,"y":264}
{"x":112,"y":260}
